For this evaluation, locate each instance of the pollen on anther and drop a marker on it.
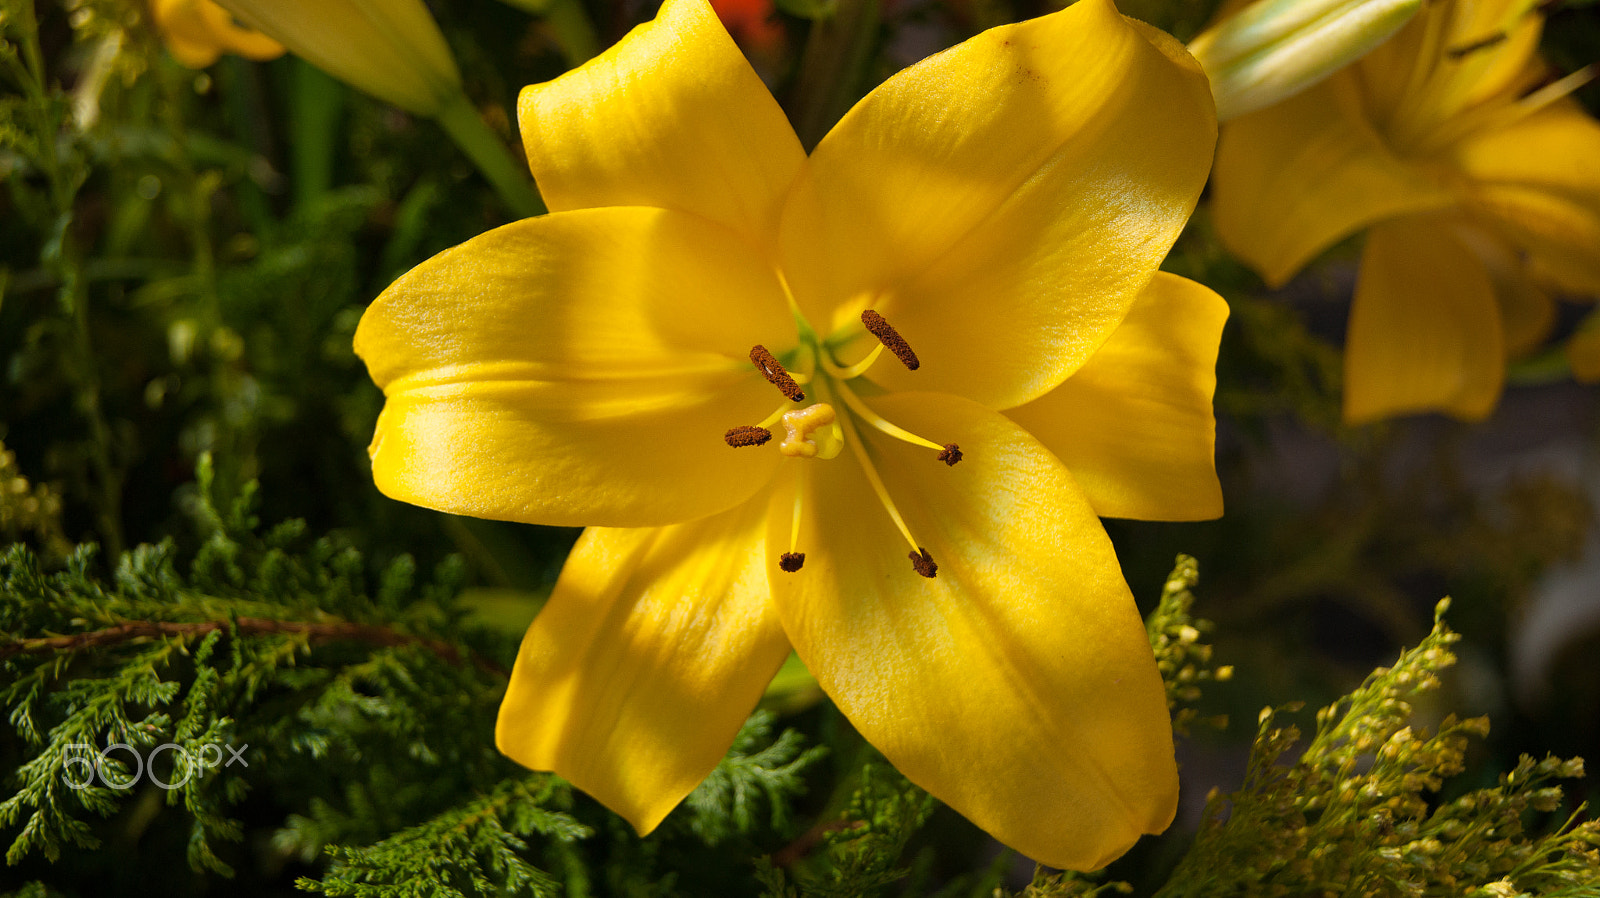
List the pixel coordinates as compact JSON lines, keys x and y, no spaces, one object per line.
{"x":922,"y":563}
{"x":890,"y":338}
{"x":790,"y":562}
{"x":746,"y":435}
{"x":950,"y":454}
{"x":773,"y":371}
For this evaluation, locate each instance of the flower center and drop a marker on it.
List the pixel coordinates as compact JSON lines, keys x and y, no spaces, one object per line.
{"x":818,"y":431}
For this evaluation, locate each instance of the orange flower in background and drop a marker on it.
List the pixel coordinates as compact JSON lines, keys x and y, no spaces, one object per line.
{"x":197,"y":32}
{"x":753,"y":23}
{"x":1478,"y":187}
{"x":865,"y":405}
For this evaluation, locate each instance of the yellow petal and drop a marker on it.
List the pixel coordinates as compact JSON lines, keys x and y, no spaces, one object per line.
{"x":654,"y":647}
{"x":1295,"y":178}
{"x":198,"y":31}
{"x":1583,"y":353}
{"x":1538,"y":180}
{"x":1002,"y":203}
{"x":1424,"y":328}
{"x":579,"y":368}
{"x":1527,"y":313}
{"x":1134,"y":425}
{"x":391,"y":49}
{"x":1017,"y":685}
{"x":1451,"y":58}
{"x":672,"y":116}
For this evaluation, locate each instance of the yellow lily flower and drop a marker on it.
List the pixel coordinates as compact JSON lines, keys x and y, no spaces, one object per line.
{"x":1479,"y":187}
{"x":951,"y":314}
{"x":197,"y":32}
{"x":1264,"y":51}
{"x":391,"y":49}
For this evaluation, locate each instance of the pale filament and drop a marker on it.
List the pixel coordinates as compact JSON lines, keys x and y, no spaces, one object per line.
{"x":1504,"y":116}
{"x":847,"y":372}
{"x":853,"y":439}
{"x":877,"y":421}
{"x":799,"y":494}
{"x":769,"y":421}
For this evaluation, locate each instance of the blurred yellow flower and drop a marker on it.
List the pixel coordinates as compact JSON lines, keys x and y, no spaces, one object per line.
{"x":391,"y":49}
{"x":1478,"y":183}
{"x":198,"y":31}
{"x":1265,"y":51}
{"x":951,"y":316}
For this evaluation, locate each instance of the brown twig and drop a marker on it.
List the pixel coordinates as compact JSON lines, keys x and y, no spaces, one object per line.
{"x":244,"y":626}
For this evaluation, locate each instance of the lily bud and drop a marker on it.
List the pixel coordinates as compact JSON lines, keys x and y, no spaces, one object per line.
{"x":1272,"y":49}
{"x":198,"y":31}
{"x":391,"y":49}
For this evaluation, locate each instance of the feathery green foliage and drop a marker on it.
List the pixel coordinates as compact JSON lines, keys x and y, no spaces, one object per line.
{"x":1360,"y":810}
{"x":273,"y":646}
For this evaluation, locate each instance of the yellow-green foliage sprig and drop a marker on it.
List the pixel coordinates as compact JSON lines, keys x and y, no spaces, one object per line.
{"x":1184,"y":660}
{"x":28,"y":509}
{"x":1358,"y":812}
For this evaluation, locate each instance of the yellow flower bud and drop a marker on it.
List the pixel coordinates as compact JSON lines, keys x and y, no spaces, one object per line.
{"x":391,"y":49}
{"x":1272,"y":49}
{"x":199,"y":31}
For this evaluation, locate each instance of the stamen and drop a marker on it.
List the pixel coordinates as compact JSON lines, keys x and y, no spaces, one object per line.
{"x":794,"y":523}
{"x":890,"y":338}
{"x":854,"y":439}
{"x":1496,"y":117}
{"x":922,"y":563}
{"x":746,"y":435}
{"x":899,"y":433}
{"x":790,"y":562}
{"x":853,"y":371}
{"x":1480,"y":44}
{"x":951,"y":454}
{"x":774,"y":373}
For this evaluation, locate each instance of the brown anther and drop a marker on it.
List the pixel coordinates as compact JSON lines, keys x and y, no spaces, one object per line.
{"x":746,"y":435}
{"x":774,"y":373}
{"x":890,"y":338}
{"x":950,"y":454}
{"x":922,"y":563}
{"x":790,"y":562}
{"x":1475,"y":46}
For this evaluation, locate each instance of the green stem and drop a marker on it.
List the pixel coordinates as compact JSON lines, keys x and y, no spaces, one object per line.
{"x":832,"y":68}
{"x":319,"y":100}
{"x":74,"y":297}
{"x":574,"y":33}
{"x":486,"y":150}
{"x":61,"y":256}
{"x":569,"y":22}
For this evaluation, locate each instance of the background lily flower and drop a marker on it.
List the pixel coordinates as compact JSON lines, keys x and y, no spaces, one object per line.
{"x":1479,"y":187}
{"x":866,"y":404}
{"x":197,"y":32}
{"x":1272,"y":49}
{"x":391,"y":49}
